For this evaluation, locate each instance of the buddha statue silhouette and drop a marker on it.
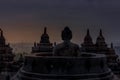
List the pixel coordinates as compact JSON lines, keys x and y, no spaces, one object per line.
{"x":67,"y":48}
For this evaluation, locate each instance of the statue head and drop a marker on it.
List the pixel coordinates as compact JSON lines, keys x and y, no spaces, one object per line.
{"x":66,"y":34}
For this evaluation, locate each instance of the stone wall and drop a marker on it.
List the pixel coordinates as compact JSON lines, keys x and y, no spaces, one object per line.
{"x":87,"y":66}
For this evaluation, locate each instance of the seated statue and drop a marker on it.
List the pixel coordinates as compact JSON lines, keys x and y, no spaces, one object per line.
{"x":67,"y":48}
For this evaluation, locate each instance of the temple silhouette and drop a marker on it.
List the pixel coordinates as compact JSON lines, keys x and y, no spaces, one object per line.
{"x":44,"y":45}
{"x":8,"y":66}
{"x":68,"y":61}
{"x":100,"y":47}
{"x":64,"y":61}
{"x":6,"y":54}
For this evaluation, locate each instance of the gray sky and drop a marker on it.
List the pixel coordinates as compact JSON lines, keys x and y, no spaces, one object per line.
{"x":24,"y":20}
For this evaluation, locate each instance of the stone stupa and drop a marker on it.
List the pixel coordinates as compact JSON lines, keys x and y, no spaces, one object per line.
{"x":44,"y":47}
{"x":6,"y":54}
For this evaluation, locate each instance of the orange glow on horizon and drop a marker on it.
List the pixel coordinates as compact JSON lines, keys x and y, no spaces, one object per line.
{"x":33,"y":35}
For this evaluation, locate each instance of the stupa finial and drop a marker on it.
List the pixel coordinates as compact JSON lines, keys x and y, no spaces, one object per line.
{"x":112,"y":45}
{"x":45,"y":30}
{"x":88,"y":32}
{"x":100,"y":32}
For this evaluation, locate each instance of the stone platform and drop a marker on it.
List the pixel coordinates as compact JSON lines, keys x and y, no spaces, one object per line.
{"x":85,"y":67}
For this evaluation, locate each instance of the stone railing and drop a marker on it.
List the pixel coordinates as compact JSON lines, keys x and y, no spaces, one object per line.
{"x":86,"y":63}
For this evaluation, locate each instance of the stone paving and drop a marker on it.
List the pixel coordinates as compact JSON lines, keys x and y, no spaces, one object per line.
{"x":2,"y":77}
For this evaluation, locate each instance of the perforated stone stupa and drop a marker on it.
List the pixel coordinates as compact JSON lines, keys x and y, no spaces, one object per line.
{"x":6,"y":55}
{"x":44,"y":45}
{"x":100,"y":47}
